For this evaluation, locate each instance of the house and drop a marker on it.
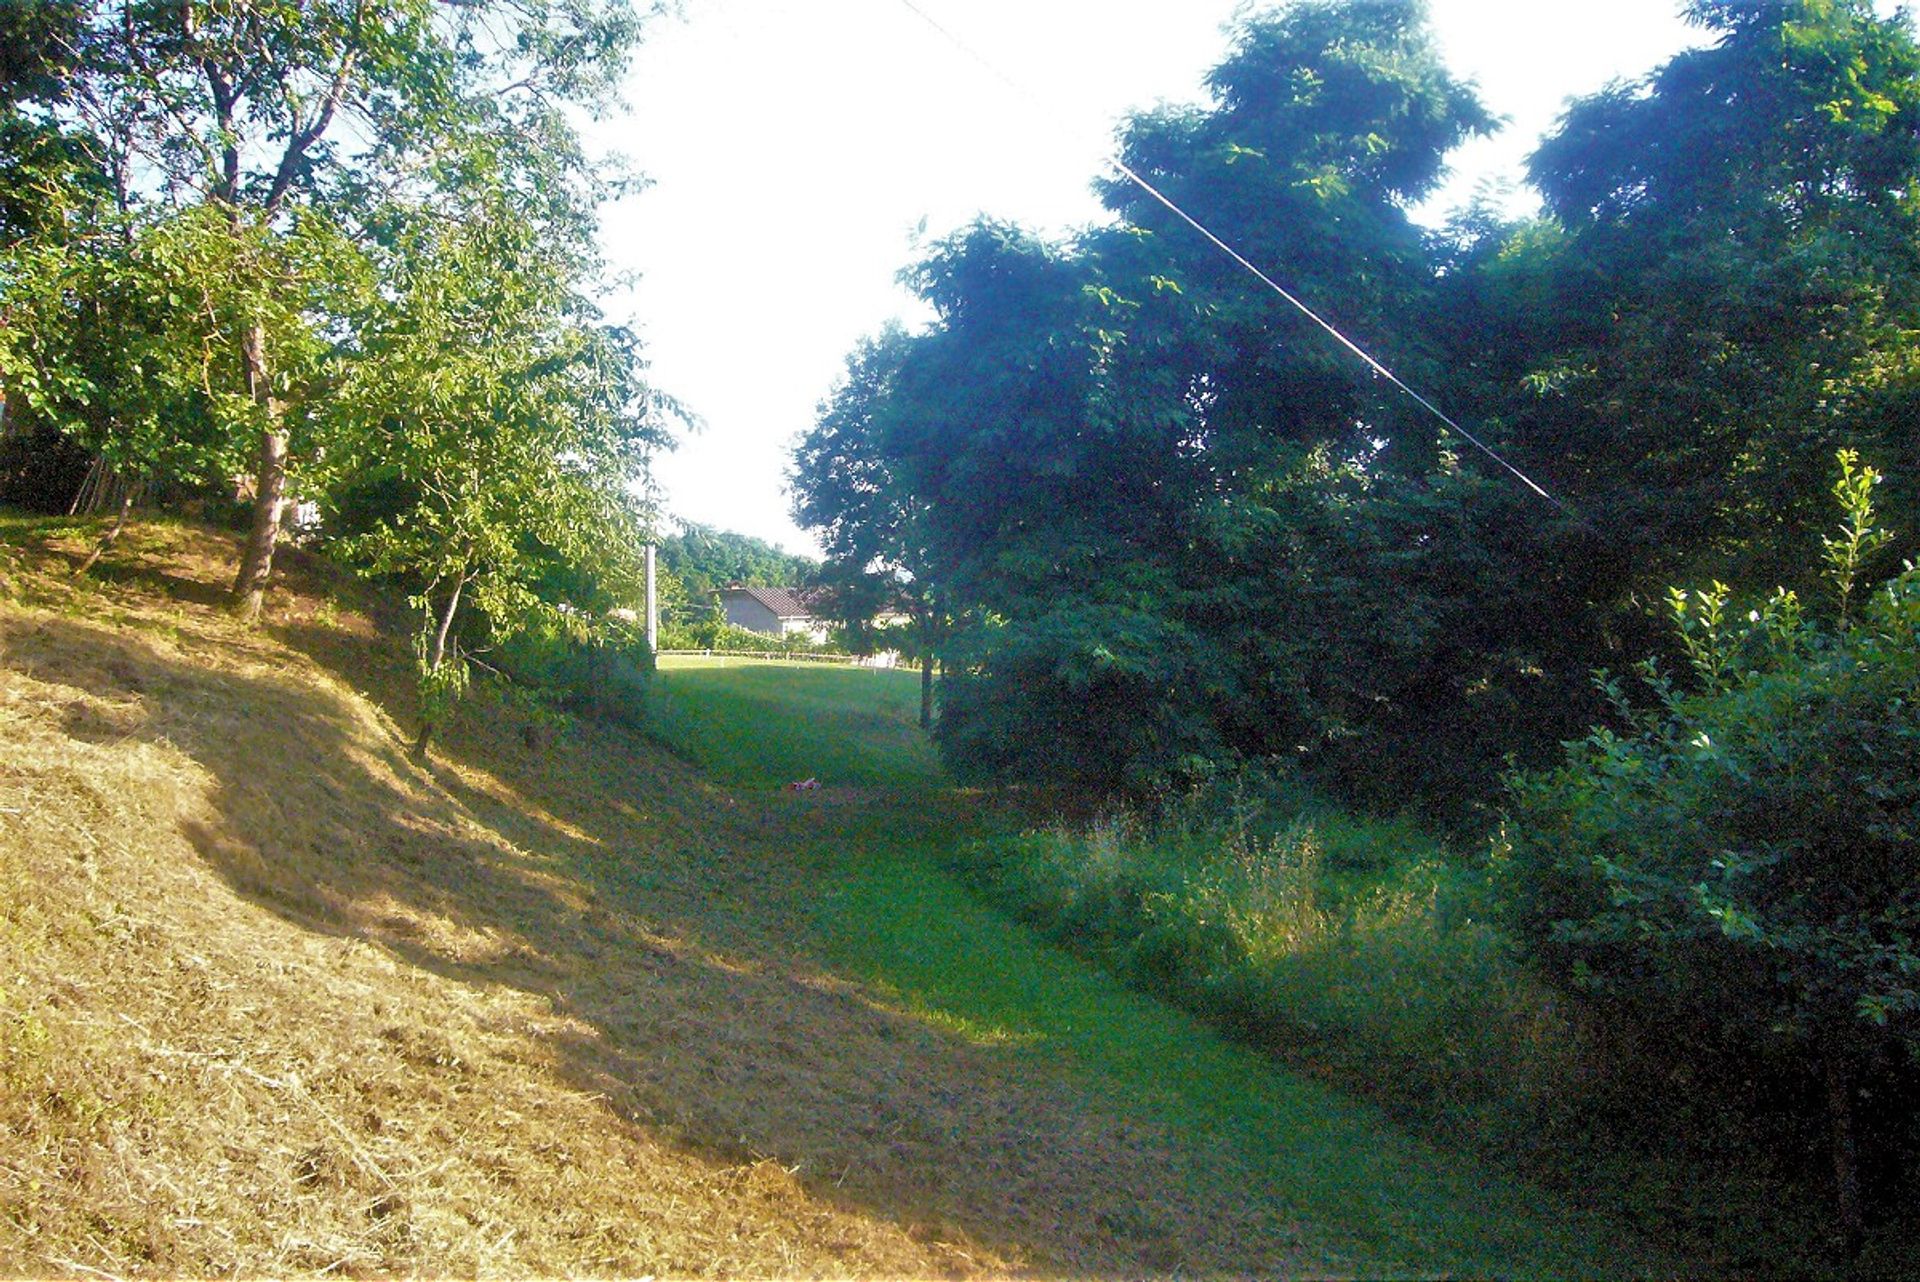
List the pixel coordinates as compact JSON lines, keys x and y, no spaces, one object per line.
{"x":774,"y":612}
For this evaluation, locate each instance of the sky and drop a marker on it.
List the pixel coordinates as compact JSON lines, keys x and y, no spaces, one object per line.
{"x":800,"y":151}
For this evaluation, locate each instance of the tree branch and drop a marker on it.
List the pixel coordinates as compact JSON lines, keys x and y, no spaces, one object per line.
{"x":303,"y":139}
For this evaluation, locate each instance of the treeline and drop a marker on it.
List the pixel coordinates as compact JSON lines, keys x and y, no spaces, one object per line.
{"x":1177,"y":525}
{"x":701,"y":560}
{"x":344,"y":253}
{"x":1174,"y":535}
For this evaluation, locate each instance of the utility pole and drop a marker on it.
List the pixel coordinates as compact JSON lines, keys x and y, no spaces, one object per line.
{"x":653,"y":607}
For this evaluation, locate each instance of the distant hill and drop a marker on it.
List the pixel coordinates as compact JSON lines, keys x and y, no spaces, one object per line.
{"x":702,"y":558}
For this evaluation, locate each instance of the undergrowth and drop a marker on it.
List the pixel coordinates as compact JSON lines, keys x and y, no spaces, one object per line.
{"x":1368,"y":944}
{"x":1367,"y":951}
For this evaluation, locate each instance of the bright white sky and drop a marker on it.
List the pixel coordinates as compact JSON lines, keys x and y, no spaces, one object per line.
{"x":796,"y":145}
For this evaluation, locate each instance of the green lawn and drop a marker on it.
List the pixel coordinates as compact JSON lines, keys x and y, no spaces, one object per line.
{"x":754,"y":723}
{"x":891,"y":915}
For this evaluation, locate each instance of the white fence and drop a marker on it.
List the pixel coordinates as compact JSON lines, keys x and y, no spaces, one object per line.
{"x":881,"y":661}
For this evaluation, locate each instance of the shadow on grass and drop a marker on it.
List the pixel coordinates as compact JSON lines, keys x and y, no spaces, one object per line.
{"x":660,"y":911}
{"x":67,"y":544}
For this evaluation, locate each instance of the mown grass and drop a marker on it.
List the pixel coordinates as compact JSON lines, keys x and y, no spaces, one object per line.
{"x":1397,"y":1204}
{"x":279,"y":1001}
{"x":761,"y":723}
{"x":893,"y":909}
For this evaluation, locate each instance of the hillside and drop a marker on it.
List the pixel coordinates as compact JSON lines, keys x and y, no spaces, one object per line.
{"x":278,"y":1001}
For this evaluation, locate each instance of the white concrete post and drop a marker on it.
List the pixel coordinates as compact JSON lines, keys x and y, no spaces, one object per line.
{"x":653,"y":608}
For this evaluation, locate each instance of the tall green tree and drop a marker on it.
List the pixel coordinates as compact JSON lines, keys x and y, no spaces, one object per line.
{"x":274,"y":114}
{"x":494,"y":429}
{"x":873,"y":530}
{"x":1128,"y":453}
{"x":1727,"y":293}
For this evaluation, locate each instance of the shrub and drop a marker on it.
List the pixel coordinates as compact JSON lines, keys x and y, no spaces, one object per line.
{"x":715,"y":633}
{"x":1741,"y":865}
{"x":601,"y":671}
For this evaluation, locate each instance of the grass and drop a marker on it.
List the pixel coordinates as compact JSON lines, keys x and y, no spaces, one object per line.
{"x":762,"y":723}
{"x":1388,"y":1202}
{"x":1373,"y":957}
{"x":280,"y":1001}
{"x":1367,"y":952}
{"x":1342,"y":1179}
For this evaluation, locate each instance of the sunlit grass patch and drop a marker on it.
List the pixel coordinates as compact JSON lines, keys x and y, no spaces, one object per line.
{"x":767,"y":724}
{"x":1385,"y":1198}
{"x":278,"y":1002}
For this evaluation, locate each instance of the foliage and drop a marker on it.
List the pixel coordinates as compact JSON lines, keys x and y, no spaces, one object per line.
{"x":713,"y":632}
{"x":1113,"y":457}
{"x":1739,"y":862}
{"x":875,"y":532}
{"x":1178,"y":528}
{"x":493,"y":429}
{"x":558,"y":665}
{"x":124,"y":336}
{"x":255,"y":128}
{"x":704,"y":560}
{"x":1725,"y":294}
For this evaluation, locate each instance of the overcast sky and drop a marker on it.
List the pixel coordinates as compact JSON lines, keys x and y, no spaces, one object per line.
{"x":795,"y":146}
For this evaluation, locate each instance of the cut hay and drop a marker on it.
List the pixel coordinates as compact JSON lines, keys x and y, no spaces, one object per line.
{"x":273,"y":1002}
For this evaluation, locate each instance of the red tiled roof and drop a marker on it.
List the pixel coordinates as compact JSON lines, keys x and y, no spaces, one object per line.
{"x":783,"y":603}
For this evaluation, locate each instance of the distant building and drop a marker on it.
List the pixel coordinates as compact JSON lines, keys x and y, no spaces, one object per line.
{"x":774,"y":612}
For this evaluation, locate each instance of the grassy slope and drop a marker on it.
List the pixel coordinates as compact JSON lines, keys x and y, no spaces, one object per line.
{"x":279,"y":1002}
{"x":893,"y":915}
{"x":897,"y":918}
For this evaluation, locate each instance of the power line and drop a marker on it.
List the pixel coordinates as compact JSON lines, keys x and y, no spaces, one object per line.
{"x":1126,"y":171}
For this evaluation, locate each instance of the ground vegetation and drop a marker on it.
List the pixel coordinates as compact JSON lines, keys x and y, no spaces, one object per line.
{"x":1185,"y":536}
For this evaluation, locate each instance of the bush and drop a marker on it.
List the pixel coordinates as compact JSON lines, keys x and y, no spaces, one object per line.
{"x":603,"y":672}
{"x":715,"y":633}
{"x":1741,"y":866}
{"x":1100,"y":699}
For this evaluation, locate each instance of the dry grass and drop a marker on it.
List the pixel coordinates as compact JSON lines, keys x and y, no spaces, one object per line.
{"x":275,"y":1001}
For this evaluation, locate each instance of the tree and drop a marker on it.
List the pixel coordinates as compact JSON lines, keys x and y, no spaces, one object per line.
{"x":1743,"y":862}
{"x":503,"y":426}
{"x":873,"y":530}
{"x":1728,"y":291}
{"x":273,"y":116}
{"x":1120,"y":450}
{"x":704,"y":560}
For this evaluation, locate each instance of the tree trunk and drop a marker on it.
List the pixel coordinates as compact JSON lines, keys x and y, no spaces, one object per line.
{"x":926,"y":691}
{"x":83,"y":497}
{"x":112,"y":535}
{"x":270,"y":486}
{"x":427,"y":712}
{"x":1846,"y":1154}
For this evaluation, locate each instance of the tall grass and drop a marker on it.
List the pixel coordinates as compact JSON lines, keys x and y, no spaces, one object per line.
{"x":1365,"y":951}
{"x":1364,"y":945}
